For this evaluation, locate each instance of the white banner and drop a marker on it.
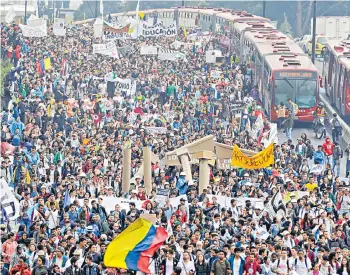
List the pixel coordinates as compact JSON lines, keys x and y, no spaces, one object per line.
{"x":39,"y":31}
{"x":215,"y":73}
{"x":167,"y":55}
{"x":157,"y":30}
{"x":59,"y":27}
{"x":132,"y":117}
{"x":9,"y":204}
{"x":151,"y":50}
{"x":125,"y":85}
{"x":241,"y":202}
{"x":156,"y":130}
{"x":131,"y":34}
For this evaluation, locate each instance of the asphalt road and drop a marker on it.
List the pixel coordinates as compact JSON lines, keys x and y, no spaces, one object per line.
{"x":306,"y":128}
{"x":296,"y":133}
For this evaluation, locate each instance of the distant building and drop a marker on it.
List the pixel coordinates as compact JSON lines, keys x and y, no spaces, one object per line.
{"x":64,"y":9}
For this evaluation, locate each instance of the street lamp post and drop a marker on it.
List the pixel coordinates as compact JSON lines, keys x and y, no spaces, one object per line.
{"x":25,"y":11}
{"x":313,"y":34}
{"x":96,"y":9}
{"x":264,"y":8}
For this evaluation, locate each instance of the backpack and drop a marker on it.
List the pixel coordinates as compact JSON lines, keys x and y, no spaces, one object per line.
{"x":336,"y":124}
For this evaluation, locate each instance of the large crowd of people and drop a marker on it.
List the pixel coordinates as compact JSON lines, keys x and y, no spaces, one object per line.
{"x":63,"y":132}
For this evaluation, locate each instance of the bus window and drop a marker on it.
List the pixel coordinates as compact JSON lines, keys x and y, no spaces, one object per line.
{"x":306,"y":93}
{"x":284,"y":89}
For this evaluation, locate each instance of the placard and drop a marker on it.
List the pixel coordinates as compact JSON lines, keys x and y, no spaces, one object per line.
{"x":59,"y":27}
{"x":162,"y":196}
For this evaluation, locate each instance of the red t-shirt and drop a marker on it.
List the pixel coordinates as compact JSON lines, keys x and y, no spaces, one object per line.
{"x":328,"y":148}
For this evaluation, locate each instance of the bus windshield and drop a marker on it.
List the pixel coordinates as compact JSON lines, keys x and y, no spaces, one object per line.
{"x":301,"y":91}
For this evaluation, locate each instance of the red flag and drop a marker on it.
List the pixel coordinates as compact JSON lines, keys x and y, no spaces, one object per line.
{"x":96,"y":118}
{"x":38,"y":68}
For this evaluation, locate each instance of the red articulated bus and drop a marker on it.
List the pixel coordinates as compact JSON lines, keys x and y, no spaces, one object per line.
{"x":280,"y":69}
{"x":336,"y":74}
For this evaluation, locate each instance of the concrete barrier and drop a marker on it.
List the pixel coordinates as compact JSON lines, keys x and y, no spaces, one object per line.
{"x":330,"y":111}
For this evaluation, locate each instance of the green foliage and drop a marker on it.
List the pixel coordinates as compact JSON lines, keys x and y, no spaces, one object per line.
{"x":286,"y":28}
{"x":5,"y":69}
{"x":90,"y":8}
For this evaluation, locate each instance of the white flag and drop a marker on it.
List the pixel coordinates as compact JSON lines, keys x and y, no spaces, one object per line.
{"x":9,"y":204}
{"x":169,"y":229}
{"x":10,"y":15}
{"x":275,"y":206}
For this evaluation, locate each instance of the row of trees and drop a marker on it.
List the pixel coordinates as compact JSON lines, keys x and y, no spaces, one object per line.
{"x":298,"y":13}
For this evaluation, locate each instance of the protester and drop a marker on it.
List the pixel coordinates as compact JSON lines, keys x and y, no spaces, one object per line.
{"x":64,"y":128}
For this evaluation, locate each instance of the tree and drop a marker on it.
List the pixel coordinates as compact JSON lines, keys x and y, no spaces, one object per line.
{"x":91,"y":9}
{"x":301,"y":17}
{"x":285,"y":27}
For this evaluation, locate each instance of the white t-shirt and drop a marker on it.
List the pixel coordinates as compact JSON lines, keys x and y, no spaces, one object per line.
{"x":169,"y":267}
{"x":302,"y":267}
{"x":186,"y":267}
{"x":282,"y":265}
{"x":236,"y":266}
{"x":52,"y":219}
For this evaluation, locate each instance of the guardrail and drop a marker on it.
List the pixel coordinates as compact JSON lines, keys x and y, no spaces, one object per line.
{"x":330,"y":111}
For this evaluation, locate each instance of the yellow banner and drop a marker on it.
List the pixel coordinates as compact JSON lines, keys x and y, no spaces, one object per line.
{"x":260,"y":160}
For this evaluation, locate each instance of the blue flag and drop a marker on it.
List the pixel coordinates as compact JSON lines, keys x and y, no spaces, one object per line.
{"x":66,"y":198}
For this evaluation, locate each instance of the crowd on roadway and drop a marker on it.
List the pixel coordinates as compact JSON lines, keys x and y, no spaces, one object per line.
{"x":63,"y":131}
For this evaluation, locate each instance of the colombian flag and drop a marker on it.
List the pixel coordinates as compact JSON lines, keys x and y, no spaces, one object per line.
{"x":134,"y":247}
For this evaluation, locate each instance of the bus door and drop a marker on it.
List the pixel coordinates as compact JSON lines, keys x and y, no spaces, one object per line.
{"x":335,"y":80}
{"x":345,"y":106}
{"x":339,"y":88}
